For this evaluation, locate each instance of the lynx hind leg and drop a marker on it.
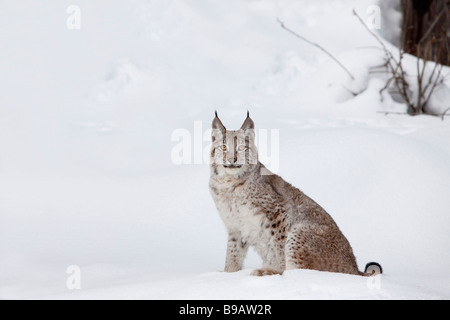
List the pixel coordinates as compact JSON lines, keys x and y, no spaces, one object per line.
{"x":296,"y":251}
{"x":319,"y":249}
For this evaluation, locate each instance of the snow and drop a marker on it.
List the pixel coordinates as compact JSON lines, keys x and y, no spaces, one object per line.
{"x":87,"y":178}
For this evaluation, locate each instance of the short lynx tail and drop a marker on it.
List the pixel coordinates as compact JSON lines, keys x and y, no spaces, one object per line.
{"x":372,"y":269}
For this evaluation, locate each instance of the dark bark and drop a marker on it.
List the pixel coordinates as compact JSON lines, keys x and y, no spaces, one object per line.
{"x":426,"y":29}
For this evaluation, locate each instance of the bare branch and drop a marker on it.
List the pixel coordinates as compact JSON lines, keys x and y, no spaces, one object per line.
{"x":317,"y":46}
{"x":398,"y":75}
{"x":436,"y":83}
{"x":388,"y":83}
{"x":425,"y":36}
{"x":386,"y":50}
{"x":386,"y":113}
{"x":442,"y":116}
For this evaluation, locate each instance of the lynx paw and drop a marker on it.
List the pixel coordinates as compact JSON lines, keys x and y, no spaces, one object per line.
{"x":265,"y":272}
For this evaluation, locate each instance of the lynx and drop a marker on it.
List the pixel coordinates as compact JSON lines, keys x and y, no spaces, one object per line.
{"x":261,"y":210}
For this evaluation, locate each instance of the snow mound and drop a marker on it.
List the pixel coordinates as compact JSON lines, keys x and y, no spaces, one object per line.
{"x":86,"y":127}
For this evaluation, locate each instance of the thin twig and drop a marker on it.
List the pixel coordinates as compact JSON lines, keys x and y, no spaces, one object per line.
{"x":386,"y":50}
{"x":431,"y":27}
{"x":442,"y":115}
{"x":394,"y":65}
{"x":368,"y":47}
{"x":386,"y":113}
{"x":420,"y":74}
{"x":398,"y":72}
{"x":388,"y":83}
{"x":435,"y":83}
{"x":317,"y":46}
{"x":397,"y":67}
{"x":432,"y":81}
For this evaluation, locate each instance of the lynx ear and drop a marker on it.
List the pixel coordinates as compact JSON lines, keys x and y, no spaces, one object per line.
{"x":217,"y":124}
{"x":218,"y":128}
{"x":248,"y":123}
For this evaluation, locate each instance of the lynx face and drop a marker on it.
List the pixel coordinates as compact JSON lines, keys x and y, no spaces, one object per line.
{"x":233,"y":152}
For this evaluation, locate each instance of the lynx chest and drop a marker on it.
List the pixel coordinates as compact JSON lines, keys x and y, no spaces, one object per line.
{"x":238,"y":212}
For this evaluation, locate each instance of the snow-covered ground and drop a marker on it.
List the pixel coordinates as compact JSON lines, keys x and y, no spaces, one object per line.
{"x":89,"y":120}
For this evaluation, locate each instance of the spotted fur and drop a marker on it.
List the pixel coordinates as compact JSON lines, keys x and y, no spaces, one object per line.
{"x":261,"y":210}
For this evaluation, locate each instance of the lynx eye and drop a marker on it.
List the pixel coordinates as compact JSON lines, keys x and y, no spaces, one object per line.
{"x":241,"y":148}
{"x":224,"y":147}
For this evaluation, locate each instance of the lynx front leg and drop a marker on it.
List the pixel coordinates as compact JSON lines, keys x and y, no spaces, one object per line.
{"x":236,"y":252}
{"x":273,"y":257}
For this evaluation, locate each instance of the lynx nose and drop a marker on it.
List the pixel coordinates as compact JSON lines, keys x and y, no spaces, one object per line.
{"x":231,"y":162}
{"x":231,"y":159}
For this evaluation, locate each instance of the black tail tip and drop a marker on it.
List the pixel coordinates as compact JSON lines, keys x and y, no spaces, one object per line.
{"x":373,"y":268}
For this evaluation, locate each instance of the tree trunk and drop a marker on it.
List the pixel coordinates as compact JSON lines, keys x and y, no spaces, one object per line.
{"x":426,"y":29}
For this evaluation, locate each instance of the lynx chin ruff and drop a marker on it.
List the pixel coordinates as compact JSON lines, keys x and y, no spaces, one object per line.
{"x":285,"y":227}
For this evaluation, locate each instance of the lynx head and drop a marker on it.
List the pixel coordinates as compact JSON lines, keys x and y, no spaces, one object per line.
{"x":233,"y":152}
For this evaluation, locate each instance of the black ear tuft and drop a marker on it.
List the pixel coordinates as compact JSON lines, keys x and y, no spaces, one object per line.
{"x":248,"y":123}
{"x":217,"y":124}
